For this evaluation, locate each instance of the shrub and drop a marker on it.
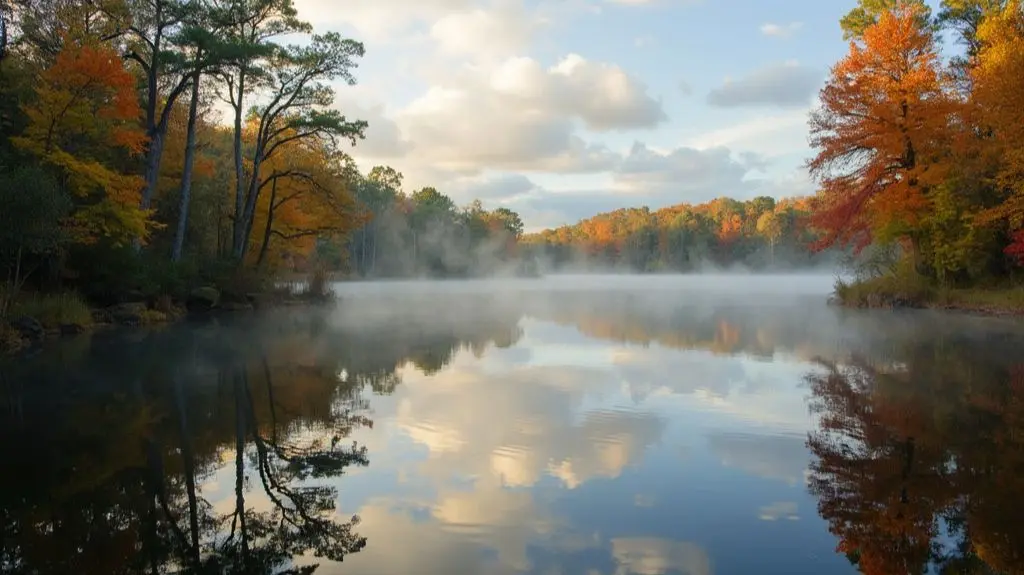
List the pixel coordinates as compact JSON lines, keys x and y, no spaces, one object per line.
{"x":54,"y":310}
{"x":901,"y":288}
{"x":10,"y":339}
{"x":235,"y":283}
{"x":164,"y":304}
{"x":7,"y":293}
{"x":318,"y":286}
{"x":1009,"y":299}
{"x":152,"y":316}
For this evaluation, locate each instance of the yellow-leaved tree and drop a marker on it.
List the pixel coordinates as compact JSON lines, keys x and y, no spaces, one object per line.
{"x":999,"y":100}
{"x":303,"y":195}
{"x":85,"y":122}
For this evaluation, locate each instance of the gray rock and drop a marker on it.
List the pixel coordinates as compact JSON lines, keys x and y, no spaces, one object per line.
{"x":29,"y":328}
{"x":203,"y":299}
{"x":101,"y":316}
{"x":71,"y":329}
{"x":127,"y":313}
{"x":236,"y":306}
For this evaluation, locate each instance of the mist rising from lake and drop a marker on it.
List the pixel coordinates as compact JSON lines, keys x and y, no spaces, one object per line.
{"x":705,"y":424}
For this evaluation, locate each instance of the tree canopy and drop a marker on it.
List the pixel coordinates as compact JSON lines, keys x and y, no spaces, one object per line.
{"x":924,"y":152}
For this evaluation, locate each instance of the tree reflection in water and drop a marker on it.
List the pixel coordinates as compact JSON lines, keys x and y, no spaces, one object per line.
{"x":919,"y":463}
{"x":209,"y":449}
{"x":218,"y":448}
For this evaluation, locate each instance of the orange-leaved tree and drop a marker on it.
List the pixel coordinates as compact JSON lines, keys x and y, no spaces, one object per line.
{"x":84,"y":122}
{"x":879,"y":132}
{"x":304,"y":196}
{"x":999,"y":100}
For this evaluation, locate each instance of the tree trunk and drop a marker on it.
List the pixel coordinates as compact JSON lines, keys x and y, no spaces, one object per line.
{"x":269,"y":227}
{"x":189,"y":467}
{"x":154,"y":153}
{"x":240,"y":434}
{"x":252,"y":195}
{"x":373,"y":253}
{"x":362,"y":252}
{"x":912,"y":251}
{"x":154,"y":128}
{"x":186,"y":175}
{"x":239,"y":224}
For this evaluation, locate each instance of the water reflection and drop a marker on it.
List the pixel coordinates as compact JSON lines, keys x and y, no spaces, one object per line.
{"x":920,"y":466}
{"x":597,"y":432}
{"x":116,"y":451}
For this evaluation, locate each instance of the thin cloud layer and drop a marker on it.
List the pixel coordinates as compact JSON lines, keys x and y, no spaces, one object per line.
{"x":781,"y":30}
{"x":787,"y":85}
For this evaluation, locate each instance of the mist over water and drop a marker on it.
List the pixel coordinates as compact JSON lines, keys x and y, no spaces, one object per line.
{"x":644,"y":285}
{"x":705,"y":424}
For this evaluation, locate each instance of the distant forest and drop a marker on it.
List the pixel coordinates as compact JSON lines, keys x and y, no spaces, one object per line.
{"x":425,"y":234}
{"x":762,"y":233}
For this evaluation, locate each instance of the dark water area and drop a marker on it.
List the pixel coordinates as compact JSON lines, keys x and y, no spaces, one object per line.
{"x":647,"y":426}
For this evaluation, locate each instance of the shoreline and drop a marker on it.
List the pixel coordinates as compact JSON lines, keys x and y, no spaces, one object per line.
{"x":1004,"y":312}
{"x":978,"y":310}
{"x":26,"y":334}
{"x":890,"y":292}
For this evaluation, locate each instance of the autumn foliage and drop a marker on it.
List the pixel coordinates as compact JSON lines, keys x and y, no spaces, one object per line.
{"x":916,"y":467}
{"x":999,"y":102}
{"x":879,"y":134}
{"x":306,"y":197}
{"x":683,"y":237}
{"x":924,"y":152}
{"x":84,"y":118}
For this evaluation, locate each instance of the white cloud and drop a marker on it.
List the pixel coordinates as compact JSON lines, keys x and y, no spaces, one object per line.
{"x":499,"y":31}
{"x":448,"y":534}
{"x":531,"y":435}
{"x":768,"y":135}
{"x":607,"y":97}
{"x":779,"y":510}
{"x":781,"y":30}
{"x":643,"y":176}
{"x":689,"y":174}
{"x":384,"y":139}
{"x":518,"y":115}
{"x":374,"y":19}
{"x":654,"y":556}
{"x":475,"y":112}
{"x":654,"y":2}
{"x":778,"y":457}
{"x":783,"y":85}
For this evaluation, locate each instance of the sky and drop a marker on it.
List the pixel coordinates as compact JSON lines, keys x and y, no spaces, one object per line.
{"x":562,"y":109}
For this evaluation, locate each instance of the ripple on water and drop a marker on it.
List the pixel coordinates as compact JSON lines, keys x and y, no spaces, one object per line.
{"x":436,"y":436}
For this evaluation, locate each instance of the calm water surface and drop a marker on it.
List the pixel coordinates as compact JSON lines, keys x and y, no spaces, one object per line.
{"x":614,"y":426}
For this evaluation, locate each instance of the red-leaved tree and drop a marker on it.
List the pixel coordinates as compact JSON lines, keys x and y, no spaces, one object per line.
{"x":879,"y":134}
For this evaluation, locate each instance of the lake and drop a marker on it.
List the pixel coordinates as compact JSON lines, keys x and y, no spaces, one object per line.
{"x":702,"y":425}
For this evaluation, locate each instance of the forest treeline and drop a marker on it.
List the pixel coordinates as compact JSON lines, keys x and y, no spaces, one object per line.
{"x":119,"y":172}
{"x":761,"y":233}
{"x":920,"y":154}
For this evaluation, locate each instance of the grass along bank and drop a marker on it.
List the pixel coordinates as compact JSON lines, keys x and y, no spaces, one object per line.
{"x":905,"y":290}
{"x":29,"y":318}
